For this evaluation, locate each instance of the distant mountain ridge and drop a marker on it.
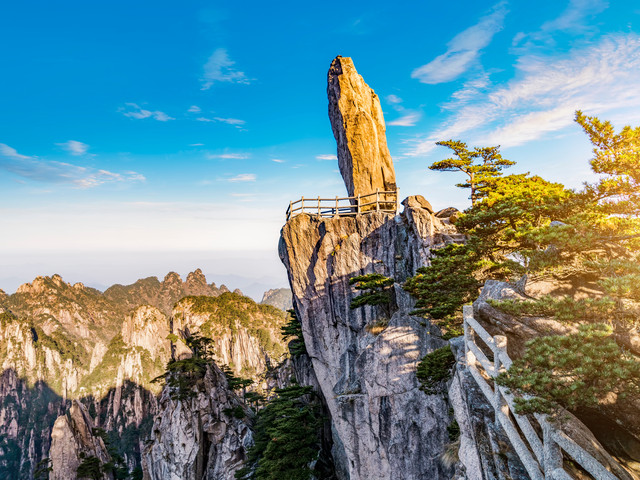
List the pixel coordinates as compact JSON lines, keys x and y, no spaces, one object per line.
{"x":278,"y":297}
{"x":62,"y":342}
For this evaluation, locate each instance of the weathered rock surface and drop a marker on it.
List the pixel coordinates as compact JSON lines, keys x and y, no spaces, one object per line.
{"x":278,"y":297}
{"x":359,"y":129}
{"x":616,"y":426}
{"x":387,"y":427}
{"x":195,"y":439}
{"x":72,"y":438}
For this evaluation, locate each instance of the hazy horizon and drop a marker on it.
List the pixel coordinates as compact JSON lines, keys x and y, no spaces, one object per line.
{"x":189,"y":128}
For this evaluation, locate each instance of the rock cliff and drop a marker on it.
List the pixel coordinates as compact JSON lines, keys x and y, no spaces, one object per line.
{"x":198,"y":438}
{"x":73,"y":442}
{"x":359,"y":129}
{"x":386,"y":425}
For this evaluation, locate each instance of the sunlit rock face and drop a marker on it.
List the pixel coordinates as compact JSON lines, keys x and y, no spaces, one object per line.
{"x":72,"y":438}
{"x":194,"y":438}
{"x":358,"y":126}
{"x":387,"y":427}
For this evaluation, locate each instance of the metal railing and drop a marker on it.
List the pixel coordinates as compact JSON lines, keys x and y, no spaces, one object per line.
{"x":542,"y":458}
{"x":378,"y":201}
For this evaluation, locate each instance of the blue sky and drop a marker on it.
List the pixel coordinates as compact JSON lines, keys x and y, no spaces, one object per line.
{"x":142,"y":137}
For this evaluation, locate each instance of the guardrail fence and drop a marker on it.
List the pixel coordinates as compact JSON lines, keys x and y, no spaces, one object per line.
{"x":378,"y":201}
{"x":542,"y":457}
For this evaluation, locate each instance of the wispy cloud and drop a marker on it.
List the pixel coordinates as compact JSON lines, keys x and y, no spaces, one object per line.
{"x":545,"y":93}
{"x":463,"y":50}
{"x":277,"y":160}
{"x":194,"y":109}
{"x":326,"y":157}
{"x":393,"y":99}
{"x":573,"y":19}
{"x":133,"y":110}
{"x":74,"y":147}
{"x":229,"y":156}
{"x":34,"y":168}
{"x":407,"y":120}
{"x":243,"y":177}
{"x":229,"y":121}
{"x":219,"y":68}
{"x":196,"y":144}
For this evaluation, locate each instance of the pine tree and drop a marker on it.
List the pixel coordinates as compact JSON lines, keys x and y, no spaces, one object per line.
{"x":482,"y":165}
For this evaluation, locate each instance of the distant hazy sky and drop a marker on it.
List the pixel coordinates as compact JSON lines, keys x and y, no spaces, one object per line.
{"x":160,"y":129}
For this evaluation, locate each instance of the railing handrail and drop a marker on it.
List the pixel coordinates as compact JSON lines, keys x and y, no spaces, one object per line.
{"x":346,"y":206}
{"x":546,"y":461}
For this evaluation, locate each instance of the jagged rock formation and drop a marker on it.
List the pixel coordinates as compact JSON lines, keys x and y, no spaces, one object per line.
{"x":162,"y":295}
{"x":246,"y":335}
{"x":279,"y":297}
{"x":72,"y":440}
{"x":62,"y":342}
{"x":379,"y":414}
{"x":196,"y":439}
{"x":359,"y":129}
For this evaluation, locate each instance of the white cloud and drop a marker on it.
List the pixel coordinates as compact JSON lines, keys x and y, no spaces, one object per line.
{"x":572,"y":19}
{"x":194,"y":109}
{"x":407,"y":120}
{"x":219,"y":68}
{"x":243,"y":177}
{"x":393,"y":99}
{"x":229,"y":156}
{"x":229,"y":121}
{"x":34,"y":168}
{"x":196,"y":144}
{"x":135,"y":111}
{"x":598,"y":79}
{"x":326,"y":157}
{"x":463,"y":50}
{"x":277,"y":160}
{"x":74,"y":147}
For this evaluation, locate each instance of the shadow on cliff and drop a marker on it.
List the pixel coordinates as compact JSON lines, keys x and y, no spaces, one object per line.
{"x":28,"y":412}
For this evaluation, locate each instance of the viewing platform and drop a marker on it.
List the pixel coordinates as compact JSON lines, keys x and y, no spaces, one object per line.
{"x":378,"y":201}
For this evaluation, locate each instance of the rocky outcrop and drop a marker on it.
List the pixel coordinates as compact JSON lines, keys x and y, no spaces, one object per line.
{"x":359,"y":129}
{"x":72,"y":442}
{"x":615,"y":424}
{"x":380,"y":417}
{"x":246,"y":335}
{"x":278,"y":297}
{"x":198,"y":438}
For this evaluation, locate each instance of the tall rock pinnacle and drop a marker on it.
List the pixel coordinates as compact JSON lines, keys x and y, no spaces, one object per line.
{"x":358,"y":126}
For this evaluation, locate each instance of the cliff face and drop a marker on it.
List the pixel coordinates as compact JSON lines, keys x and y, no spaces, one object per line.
{"x":195,"y":439}
{"x":62,"y":342}
{"x":368,"y":380}
{"x":358,"y":127}
{"x":73,"y":441}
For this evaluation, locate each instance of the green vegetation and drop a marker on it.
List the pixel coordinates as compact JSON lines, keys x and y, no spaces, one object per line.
{"x":230,"y":311}
{"x":287,"y":438}
{"x":481,"y":166}
{"x":572,"y":371}
{"x":182,"y":376}
{"x":434,"y":371}
{"x":377,"y":291}
{"x":292,"y":331}
{"x":233,"y":382}
{"x":523,"y":224}
{"x":90,"y":467}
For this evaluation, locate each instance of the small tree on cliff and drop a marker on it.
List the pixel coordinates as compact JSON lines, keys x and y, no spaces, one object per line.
{"x":482,"y":165}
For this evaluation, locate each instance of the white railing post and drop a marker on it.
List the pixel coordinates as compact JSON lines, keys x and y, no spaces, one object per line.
{"x":302,"y":205}
{"x":552,"y":454}
{"x":358,"y":209}
{"x":377,"y":199}
{"x":289,"y":211}
{"x":318,"y":205}
{"x":467,"y":311}
{"x":501,"y":405}
{"x":336,"y":212}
